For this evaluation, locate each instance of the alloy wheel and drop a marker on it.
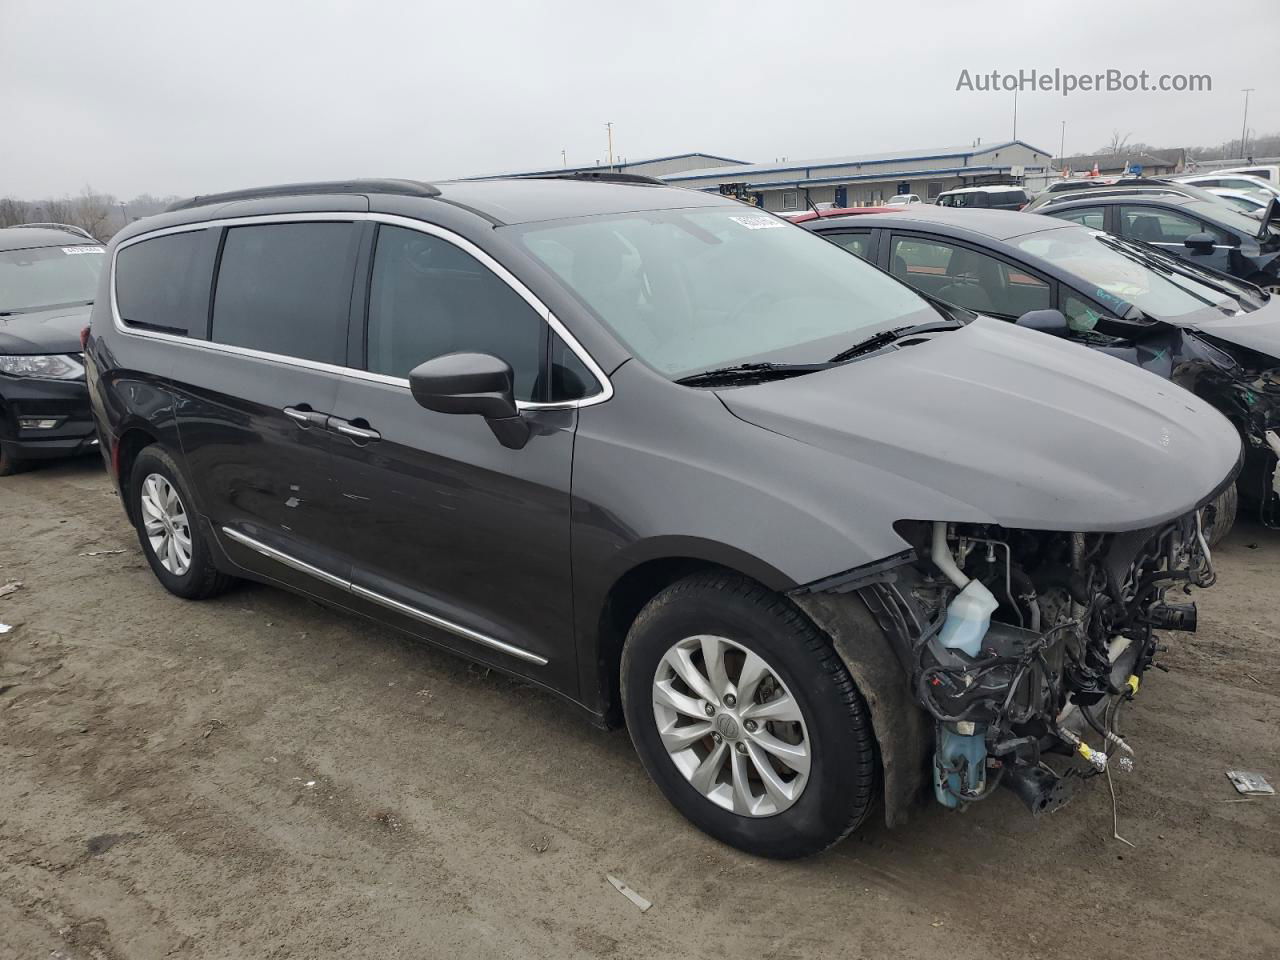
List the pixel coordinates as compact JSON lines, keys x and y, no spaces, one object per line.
{"x":165,"y":520}
{"x":731,"y":726}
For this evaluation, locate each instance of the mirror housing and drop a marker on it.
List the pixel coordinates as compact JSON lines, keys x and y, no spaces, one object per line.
{"x":1046,"y":321}
{"x":1199,"y":241}
{"x":476,"y":383}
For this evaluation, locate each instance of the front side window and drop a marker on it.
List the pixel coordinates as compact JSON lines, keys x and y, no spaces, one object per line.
{"x":1123,"y":276}
{"x":428,"y":298}
{"x":42,"y":277}
{"x":285,"y":288}
{"x":967,"y":278}
{"x":690,"y":290}
{"x":163,"y":284}
{"x":1157,"y":225}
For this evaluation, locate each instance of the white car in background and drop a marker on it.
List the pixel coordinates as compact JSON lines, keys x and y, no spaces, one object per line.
{"x":1246,"y":201}
{"x":1230,"y":180}
{"x":902,"y":200}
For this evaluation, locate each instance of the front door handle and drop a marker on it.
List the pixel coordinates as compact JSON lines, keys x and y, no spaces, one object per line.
{"x":352,"y":431}
{"x":305,"y":417}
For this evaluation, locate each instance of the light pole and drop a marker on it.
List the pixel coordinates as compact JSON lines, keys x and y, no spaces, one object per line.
{"x":1015,"y":113}
{"x":124,"y":214}
{"x":1244,"y":124}
{"x":609,"y":127}
{"x":563,"y":161}
{"x":1062,"y":144}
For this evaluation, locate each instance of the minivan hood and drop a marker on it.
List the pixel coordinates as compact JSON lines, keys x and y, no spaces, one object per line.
{"x":56,"y":330}
{"x":1028,"y":430}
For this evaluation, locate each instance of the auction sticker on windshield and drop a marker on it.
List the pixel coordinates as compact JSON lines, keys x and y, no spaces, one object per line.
{"x":75,"y":250}
{"x":758,"y":222}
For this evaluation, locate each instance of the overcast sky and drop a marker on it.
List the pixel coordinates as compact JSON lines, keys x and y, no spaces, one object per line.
{"x":170,"y":96}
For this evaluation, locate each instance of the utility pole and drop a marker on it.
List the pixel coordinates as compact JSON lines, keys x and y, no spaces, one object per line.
{"x":1015,"y":113}
{"x":609,"y":127}
{"x":1062,"y":143}
{"x":563,"y":161}
{"x":124,"y":214}
{"x":1244,"y":124}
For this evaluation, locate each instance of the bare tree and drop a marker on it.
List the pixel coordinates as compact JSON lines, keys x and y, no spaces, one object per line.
{"x":1118,"y":143}
{"x":91,"y":211}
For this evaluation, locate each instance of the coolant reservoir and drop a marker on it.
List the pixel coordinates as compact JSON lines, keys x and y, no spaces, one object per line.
{"x":968,"y":617}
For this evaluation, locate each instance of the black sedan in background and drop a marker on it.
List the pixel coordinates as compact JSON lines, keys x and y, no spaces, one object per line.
{"x":1208,"y":233}
{"x":48,"y":278}
{"x":1216,"y":336}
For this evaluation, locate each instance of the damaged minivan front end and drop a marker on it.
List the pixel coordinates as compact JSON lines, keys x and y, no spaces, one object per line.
{"x":1019,"y":644}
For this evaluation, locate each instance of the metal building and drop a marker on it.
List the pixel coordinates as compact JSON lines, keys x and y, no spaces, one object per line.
{"x":869,"y":179}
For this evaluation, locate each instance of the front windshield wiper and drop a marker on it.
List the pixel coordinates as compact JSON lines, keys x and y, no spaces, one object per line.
{"x":750,"y":373}
{"x":1166,"y":264}
{"x":886,"y":337}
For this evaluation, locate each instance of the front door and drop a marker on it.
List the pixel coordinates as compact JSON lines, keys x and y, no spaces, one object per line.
{"x":455,"y":536}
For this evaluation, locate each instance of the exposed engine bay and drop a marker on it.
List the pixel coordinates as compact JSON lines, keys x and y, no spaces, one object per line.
{"x":1021,"y":644}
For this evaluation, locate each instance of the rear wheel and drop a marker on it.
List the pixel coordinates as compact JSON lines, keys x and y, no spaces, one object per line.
{"x":168,"y":530}
{"x":746,"y":718}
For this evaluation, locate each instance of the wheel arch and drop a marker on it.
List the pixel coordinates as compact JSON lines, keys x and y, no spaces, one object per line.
{"x":641,"y":575}
{"x":131,"y":442}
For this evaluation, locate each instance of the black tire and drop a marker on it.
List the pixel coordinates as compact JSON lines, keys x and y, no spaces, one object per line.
{"x":201,"y":579}
{"x":844,"y":770}
{"x":9,"y":464}
{"x":1225,"y":507}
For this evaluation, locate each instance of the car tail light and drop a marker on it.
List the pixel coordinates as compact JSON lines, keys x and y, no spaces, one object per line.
{"x":84,"y":337}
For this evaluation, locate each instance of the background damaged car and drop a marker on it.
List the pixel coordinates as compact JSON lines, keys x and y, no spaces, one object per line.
{"x":674,"y":459}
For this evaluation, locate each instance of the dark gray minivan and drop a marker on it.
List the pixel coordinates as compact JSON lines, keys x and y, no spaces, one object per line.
{"x":820,"y":542}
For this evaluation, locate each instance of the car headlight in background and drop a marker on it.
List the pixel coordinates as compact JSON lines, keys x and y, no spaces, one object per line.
{"x":54,"y":366}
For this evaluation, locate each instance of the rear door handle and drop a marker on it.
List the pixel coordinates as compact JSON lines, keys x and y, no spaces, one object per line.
{"x":305,"y":417}
{"x":355,"y":433}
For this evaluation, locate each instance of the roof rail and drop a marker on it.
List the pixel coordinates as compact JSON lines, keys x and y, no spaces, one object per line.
{"x":407,"y":188}
{"x":604,"y":176}
{"x":68,"y":227}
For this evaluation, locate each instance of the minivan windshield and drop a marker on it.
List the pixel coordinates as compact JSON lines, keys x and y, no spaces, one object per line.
{"x":696,"y":289}
{"x":1122,"y":276}
{"x":48,"y":276}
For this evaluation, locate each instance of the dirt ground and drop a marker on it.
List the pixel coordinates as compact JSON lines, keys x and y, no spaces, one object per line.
{"x":256,"y":776}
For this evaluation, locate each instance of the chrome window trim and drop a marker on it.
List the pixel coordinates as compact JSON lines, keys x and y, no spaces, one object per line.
{"x":355,"y":589}
{"x":542,"y":310}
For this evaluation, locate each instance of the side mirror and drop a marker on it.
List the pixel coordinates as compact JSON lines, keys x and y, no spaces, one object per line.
{"x":1046,"y":321}
{"x":475,"y":383}
{"x":1202,"y":242}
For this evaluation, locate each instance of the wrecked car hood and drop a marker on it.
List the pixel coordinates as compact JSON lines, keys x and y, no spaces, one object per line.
{"x":1026,"y":429}
{"x":56,"y":330}
{"x":1257,"y":330}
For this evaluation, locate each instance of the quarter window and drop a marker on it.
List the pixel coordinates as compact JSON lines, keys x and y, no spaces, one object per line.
{"x":967,"y":278}
{"x":428,"y":298}
{"x":1091,"y":217}
{"x":856,"y":243}
{"x":163,"y":284}
{"x":285,"y":288}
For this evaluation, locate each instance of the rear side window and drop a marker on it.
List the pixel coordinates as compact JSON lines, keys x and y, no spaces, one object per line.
{"x":428,"y":298}
{"x":285,"y":288}
{"x":163,"y":284}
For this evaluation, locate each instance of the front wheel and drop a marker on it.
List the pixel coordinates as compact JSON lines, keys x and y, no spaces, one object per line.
{"x":9,"y":464}
{"x":746,"y":718}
